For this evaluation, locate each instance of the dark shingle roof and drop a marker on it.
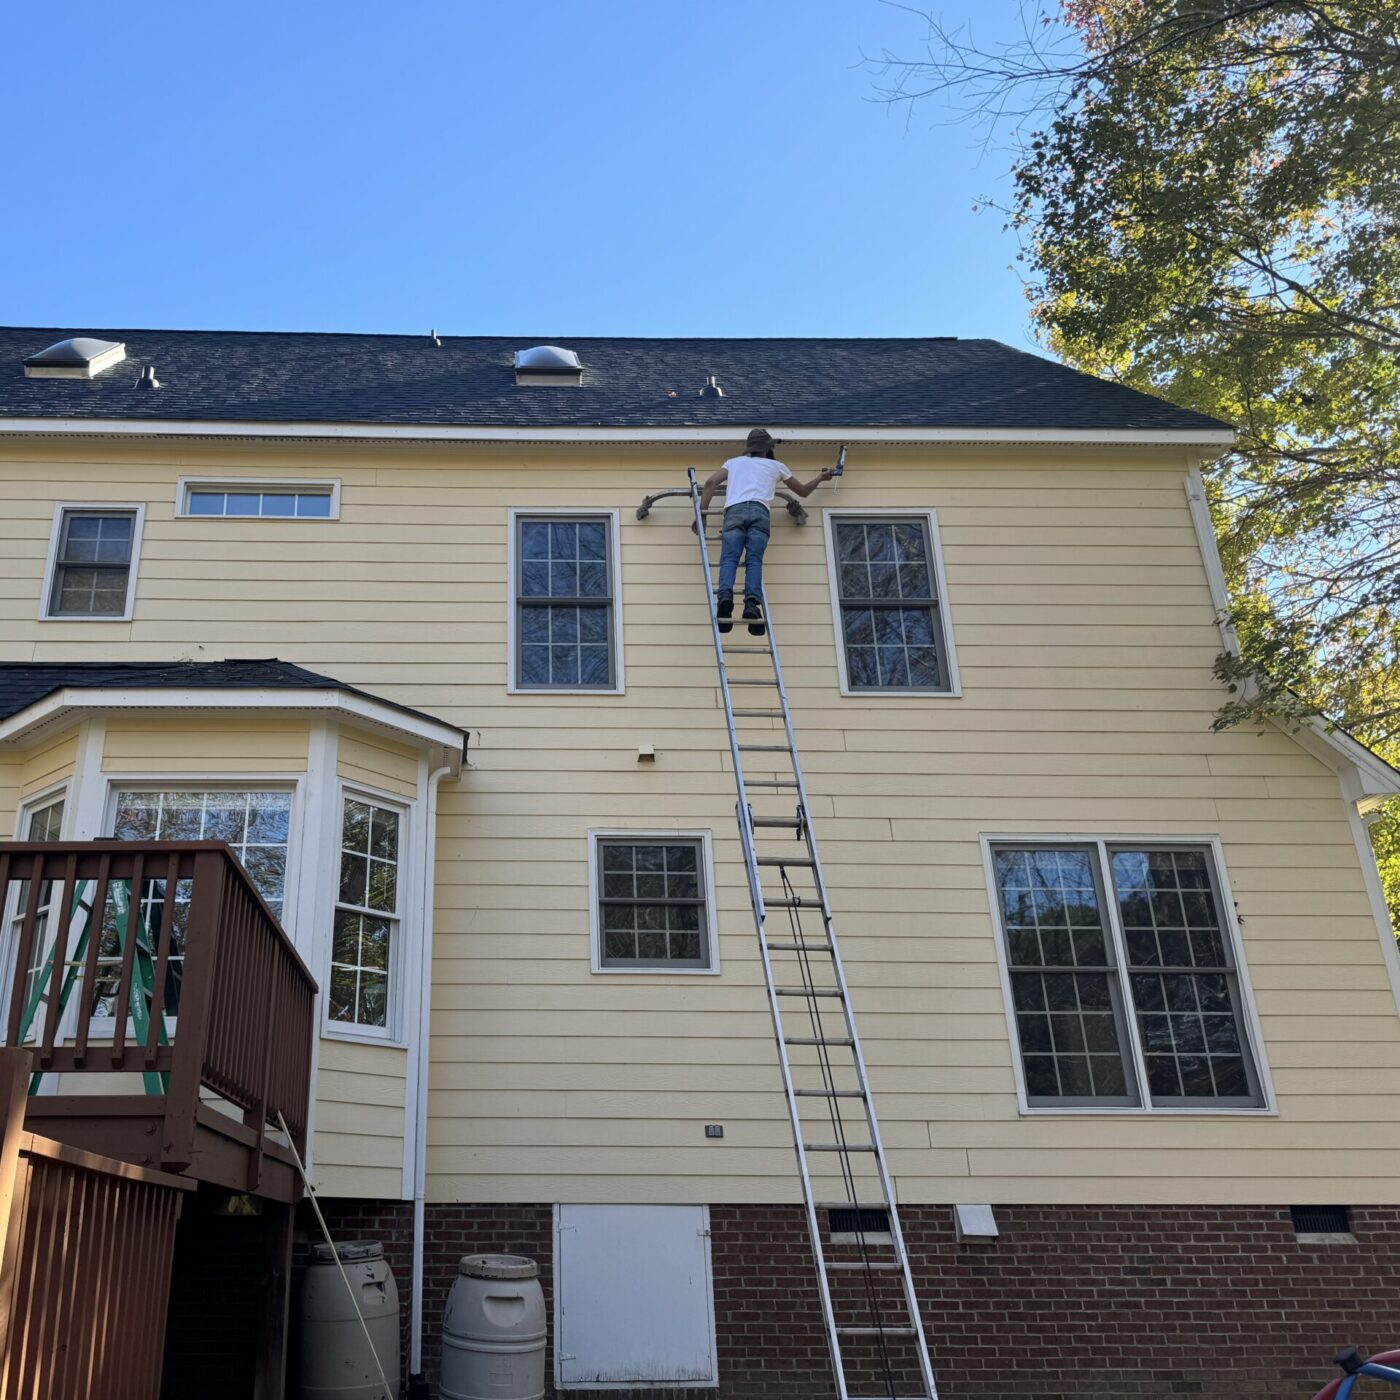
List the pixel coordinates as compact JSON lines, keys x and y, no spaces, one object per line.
{"x":254,"y":376}
{"x":22,"y":683}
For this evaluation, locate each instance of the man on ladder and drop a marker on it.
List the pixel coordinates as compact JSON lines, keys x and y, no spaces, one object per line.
{"x":753,"y":480}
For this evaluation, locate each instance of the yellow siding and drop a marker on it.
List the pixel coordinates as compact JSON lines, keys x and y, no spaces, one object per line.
{"x":1084,"y":634}
{"x":204,"y":745}
{"x":48,"y":764}
{"x":358,"y":1146}
{"x":378,"y":763}
{"x":11,"y":780}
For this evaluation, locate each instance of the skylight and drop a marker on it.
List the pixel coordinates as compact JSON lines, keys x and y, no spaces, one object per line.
{"x":548,"y":364}
{"x":82,"y":357}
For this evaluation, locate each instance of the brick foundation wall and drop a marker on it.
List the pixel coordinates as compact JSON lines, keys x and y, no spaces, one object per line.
{"x":1126,"y":1301}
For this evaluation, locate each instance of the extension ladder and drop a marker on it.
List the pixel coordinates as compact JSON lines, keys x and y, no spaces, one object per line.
{"x":872,"y":1328}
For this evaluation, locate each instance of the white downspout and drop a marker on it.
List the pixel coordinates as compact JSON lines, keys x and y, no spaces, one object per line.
{"x":420,"y":1071}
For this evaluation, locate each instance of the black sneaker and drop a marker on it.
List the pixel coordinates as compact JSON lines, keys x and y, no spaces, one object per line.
{"x":725,"y":609}
{"x":753,"y":615}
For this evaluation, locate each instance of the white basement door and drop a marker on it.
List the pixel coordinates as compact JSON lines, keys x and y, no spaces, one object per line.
{"x":633,"y":1299}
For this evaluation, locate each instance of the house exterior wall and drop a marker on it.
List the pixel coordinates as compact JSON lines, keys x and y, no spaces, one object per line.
{"x":1084,"y":631}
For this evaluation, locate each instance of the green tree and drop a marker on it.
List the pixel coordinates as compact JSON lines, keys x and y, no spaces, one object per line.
{"x":1209,"y":201}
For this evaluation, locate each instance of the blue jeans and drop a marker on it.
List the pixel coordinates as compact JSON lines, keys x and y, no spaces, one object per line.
{"x":745,"y":532}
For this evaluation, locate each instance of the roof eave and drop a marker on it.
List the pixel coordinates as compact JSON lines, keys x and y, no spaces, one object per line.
{"x":71,"y":703}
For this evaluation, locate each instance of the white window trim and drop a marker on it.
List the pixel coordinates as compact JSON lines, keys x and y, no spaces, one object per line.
{"x":658,"y":835}
{"x":320,"y":486}
{"x":402,"y":967}
{"x":614,"y":520}
{"x":1253,"y":1034}
{"x":134,"y":508}
{"x":945,"y":613}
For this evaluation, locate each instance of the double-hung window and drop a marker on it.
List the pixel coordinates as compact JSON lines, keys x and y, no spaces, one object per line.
{"x":365,"y":939}
{"x":651,"y":902}
{"x":1124,"y":978}
{"x":564,"y":603}
{"x":887,"y":592}
{"x":92,"y":566}
{"x":42,"y":823}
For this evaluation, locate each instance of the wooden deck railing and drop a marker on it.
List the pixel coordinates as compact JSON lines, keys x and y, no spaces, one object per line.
{"x":159,"y":958}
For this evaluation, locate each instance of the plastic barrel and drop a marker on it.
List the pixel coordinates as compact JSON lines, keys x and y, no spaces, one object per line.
{"x":335,"y":1363}
{"x":493,"y":1330}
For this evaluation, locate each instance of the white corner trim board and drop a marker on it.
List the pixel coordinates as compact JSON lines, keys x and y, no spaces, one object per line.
{"x":431,"y":432}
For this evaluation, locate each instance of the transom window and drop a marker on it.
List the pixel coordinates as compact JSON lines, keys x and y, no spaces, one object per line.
{"x":651,"y":902}
{"x":269,"y":500}
{"x":91,"y":574}
{"x":364,"y":944}
{"x":256,"y":824}
{"x":1158,"y":944}
{"x":886,"y":584}
{"x":565,"y":609}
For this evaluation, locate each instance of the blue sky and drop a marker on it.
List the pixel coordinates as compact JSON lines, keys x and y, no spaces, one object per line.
{"x":645,"y":167}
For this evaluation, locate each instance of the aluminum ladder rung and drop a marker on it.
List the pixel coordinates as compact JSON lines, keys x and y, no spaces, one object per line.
{"x":883,"y":1265}
{"x":877,"y":1331}
{"x":781,"y":738}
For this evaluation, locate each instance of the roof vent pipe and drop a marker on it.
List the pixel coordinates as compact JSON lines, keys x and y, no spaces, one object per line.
{"x":434,"y":338}
{"x":148,"y":378}
{"x":711,"y":389}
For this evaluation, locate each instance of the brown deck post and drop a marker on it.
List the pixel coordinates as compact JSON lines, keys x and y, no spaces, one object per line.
{"x":196,"y":994}
{"x":15,"y":1067}
{"x":270,"y":1363}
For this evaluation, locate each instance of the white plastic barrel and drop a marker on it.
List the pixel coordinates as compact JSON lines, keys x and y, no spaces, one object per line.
{"x":493,"y":1330}
{"x":335,"y":1360}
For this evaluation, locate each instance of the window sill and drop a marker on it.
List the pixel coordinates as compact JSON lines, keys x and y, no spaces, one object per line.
{"x":599,"y":971}
{"x":900,"y":693}
{"x":85,"y":617}
{"x":1164,"y":1112}
{"x":554,"y":692}
{"x":335,"y":1030}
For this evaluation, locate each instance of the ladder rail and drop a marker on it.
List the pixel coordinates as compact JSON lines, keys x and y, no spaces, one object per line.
{"x":745,"y":819}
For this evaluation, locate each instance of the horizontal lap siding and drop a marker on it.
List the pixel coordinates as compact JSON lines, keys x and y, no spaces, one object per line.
{"x":49,"y":764}
{"x":359,"y":1131}
{"x":378,"y":764}
{"x":206,"y":746}
{"x":1085,"y":636}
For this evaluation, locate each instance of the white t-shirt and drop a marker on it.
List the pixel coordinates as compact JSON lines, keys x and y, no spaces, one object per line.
{"x":753,"y":479}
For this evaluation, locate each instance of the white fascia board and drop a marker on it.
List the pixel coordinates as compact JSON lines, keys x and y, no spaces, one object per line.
{"x":1370,"y":779}
{"x":431,"y":432}
{"x":78,"y":700}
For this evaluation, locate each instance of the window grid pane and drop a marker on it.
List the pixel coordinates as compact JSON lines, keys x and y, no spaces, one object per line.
{"x":1185,"y":989}
{"x":92,"y":566}
{"x":255,"y":825}
{"x":1063,"y":980}
{"x":564,"y":612}
{"x":882,"y":568}
{"x":652,"y":904}
{"x":277,"y":502}
{"x":366,"y":915}
{"x":44,"y":824}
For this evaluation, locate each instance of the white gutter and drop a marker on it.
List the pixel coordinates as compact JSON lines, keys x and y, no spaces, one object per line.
{"x":432,"y":432}
{"x":420,"y":1071}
